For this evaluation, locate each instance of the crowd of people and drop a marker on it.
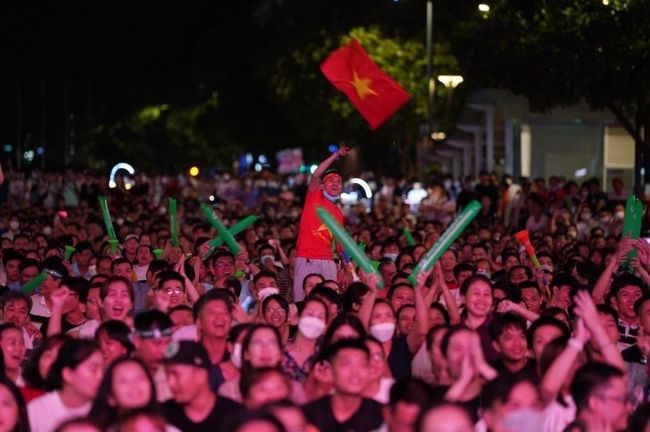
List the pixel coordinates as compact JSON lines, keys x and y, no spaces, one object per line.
{"x":290,"y":335}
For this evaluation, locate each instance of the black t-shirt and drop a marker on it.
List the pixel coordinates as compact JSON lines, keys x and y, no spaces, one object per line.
{"x":400,"y":358}
{"x":529,"y":371}
{"x":367,"y":418}
{"x":223,"y":413}
{"x":633,"y":355}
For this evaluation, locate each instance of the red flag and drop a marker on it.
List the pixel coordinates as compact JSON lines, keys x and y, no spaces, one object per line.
{"x":375,"y":94}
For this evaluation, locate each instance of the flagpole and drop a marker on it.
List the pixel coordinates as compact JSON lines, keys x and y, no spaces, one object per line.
{"x":431,"y":88}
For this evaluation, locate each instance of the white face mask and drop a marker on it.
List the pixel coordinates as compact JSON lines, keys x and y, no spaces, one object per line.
{"x":391,"y":256}
{"x":265,"y":292}
{"x":14,"y":225}
{"x":619,"y":215}
{"x":311,"y":327}
{"x":266,"y":258}
{"x":383,"y":332}
{"x":47,"y":231}
{"x":523,"y":419}
{"x":585,"y":217}
{"x":235,"y":356}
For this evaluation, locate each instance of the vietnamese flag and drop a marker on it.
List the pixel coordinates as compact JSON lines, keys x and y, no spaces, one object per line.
{"x":375,"y":94}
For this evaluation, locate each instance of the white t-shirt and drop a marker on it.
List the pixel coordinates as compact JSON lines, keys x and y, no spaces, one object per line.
{"x":47,"y":412}
{"x":558,"y":416}
{"x":86,"y":330}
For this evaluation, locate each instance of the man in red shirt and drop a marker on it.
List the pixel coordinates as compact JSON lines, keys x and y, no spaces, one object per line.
{"x":314,"y":249}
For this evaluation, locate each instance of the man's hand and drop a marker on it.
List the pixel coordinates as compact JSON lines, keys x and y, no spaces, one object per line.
{"x":59,"y":296}
{"x":342,"y":151}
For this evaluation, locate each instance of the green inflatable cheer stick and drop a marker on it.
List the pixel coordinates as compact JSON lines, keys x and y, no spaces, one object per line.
{"x":223,"y":232}
{"x":158,"y":253}
{"x":446,"y":240}
{"x":240,"y":226}
{"x":33,"y":283}
{"x":346,"y":241}
{"x":173,"y":221}
{"x":632,"y":224}
{"x":69,"y":251}
{"x":409,"y":237}
{"x":108,"y":223}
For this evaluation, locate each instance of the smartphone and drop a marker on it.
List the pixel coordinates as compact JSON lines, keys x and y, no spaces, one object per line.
{"x":345,"y":257}
{"x":248,"y":304}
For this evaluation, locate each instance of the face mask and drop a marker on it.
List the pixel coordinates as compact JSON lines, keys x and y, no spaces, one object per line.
{"x":311,"y":327}
{"x":585,"y":217}
{"x":235,"y":356}
{"x":207,"y":286}
{"x":266,"y":258}
{"x":383,"y":332}
{"x":265,"y":292}
{"x":523,"y":419}
{"x":47,"y":231}
{"x":330,"y":198}
{"x":14,"y":225}
{"x":391,"y":256}
{"x":619,"y":215}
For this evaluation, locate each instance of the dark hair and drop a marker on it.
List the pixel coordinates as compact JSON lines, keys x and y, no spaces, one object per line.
{"x":470,"y":280}
{"x":552,"y":311}
{"x":284,"y":304}
{"x":78,"y":285}
{"x":639,"y":303}
{"x":236,"y":330}
{"x":590,"y":378}
{"x":338,"y":322}
{"x":102,"y":411}
{"x":393,"y":288}
{"x":501,"y":322}
{"x":431,"y":334}
{"x":131,"y":415}
{"x":527,"y":270}
{"x":245,"y":364}
{"x":446,"y":339}
{"x":28,"y":262}
{"x":626,"y":279}
{"x":83,"y":246}
{"x":314,"y":299}
{"x":463,"y":267}
{"x":512,"y":291}
{"x":546,"y":321}
{"x":500,"y":389}
{"x":12,"y":296}
{"x":220,"y":253}
{"x":116,"y":279}
{"x":31,"y":373}
{"x":562,"y":279}
{"x":170,"y":275}
{"x":158,"y":265}
{"x":73,"y":352}
{"x":254,"y":376}
{"x":337,"y":347}
{"x":322,"y":279}
{"x":119,"y":261}
{"x":11,"y":255}
{"x":437,"y":405}
{"x":250,"y":416}
{"x":23,"y":419}
{"x":550,"y":352}
{"x":328,"y":294}
{"x":213,"y":295}
{"x":353,"y":295}
{"x":530,"y":284}
{"x":411,"y":391}
{"x":607,"y":310}
{"x":263,"y":273}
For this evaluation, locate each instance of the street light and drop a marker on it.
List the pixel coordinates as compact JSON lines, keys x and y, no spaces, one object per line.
{"x":484,"y":7}
{"x":450,"y":81}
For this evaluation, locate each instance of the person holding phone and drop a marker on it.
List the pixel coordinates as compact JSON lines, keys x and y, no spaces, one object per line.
{"x":314,"y":248}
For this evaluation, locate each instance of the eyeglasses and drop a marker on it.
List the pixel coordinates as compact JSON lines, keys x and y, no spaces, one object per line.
{"x":278,"y":310}
{"x":623,"y":399}
{"x":171,"y":291}
{"x":223,"y":264}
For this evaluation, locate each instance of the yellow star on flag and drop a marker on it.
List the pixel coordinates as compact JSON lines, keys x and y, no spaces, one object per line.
{"x":362,"y":85}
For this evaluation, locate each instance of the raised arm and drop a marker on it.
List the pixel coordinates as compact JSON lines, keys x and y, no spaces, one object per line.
{"x":602,"y":285}
{"x":418,"y":334}
{"x":365,"y":311}
{"x":323,"y":166}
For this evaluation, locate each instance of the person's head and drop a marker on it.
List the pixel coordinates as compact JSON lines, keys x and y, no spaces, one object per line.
{"x":542,"y":331}
{"x":213,"y":314}
{"x":188,"y":368}
{"x":83,"y":254}
{"x":144,"y":255}
{"x":223,"y":264}
{"x":511,"y":403}
{"x":152,"y":335}
{"x":448,"y":260}
{"x":12,"y":346}
{"x":171,"y":285}
{"x":383,"y":321}
{"x":117,"y":298}
{"x":562,"y":285}
{"x":600,"y":391}
{"x":480,"y":252}
{"x":344,"y":326}
{"x":104,"y":265}
{"x":15,"y":307}
{"x":387,"y":268}
{"x":275,"y":310}
{"x":642,"y":310}
{"x":181,"y":316}
{"x":131,"y":243}
{"x":445,"y":417}
{"x":113,"y":338}
{"x":29,"y":269}
{"x":141,"y":420}
{"x":77,"y":294}
{"x":519,"y":273}
{"x":626,"y":289}
{"x":127,"y":385}
{"x":263,"y":385}
{"x":407,"y":398}
{"x":508,"y":333}
{"x":55,"y":270}
{"x":477,"y":292}
{"x":78,"y":369}
{"x":310,"y":281}
{"x":262,"y":347}
{"x":13,"y":410}
{"x":331,"y":182}
{"x":122,"y":267}
{"x":401,"y":294}
{"x":454,"y":345}
{"x":11,"y":260}
{"x":349,"y":360}
{"x":288,"y":413}
{"x":256,"y":421}
{"x":264,"y":285}
{"x":405,"y":319}
{"x":608,"y":318}
{"x":39,"y":364}
{"x":313,"y":318}
{"x":531,"y":295}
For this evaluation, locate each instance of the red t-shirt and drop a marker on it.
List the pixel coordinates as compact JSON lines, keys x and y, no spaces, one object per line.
{"x":315,"y":239}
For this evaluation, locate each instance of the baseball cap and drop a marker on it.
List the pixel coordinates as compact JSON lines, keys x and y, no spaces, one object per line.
{"x":187,"y":353}
{"x":329,"y":172}
{"x":54,"y":267}
{"x":131,"y":236}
